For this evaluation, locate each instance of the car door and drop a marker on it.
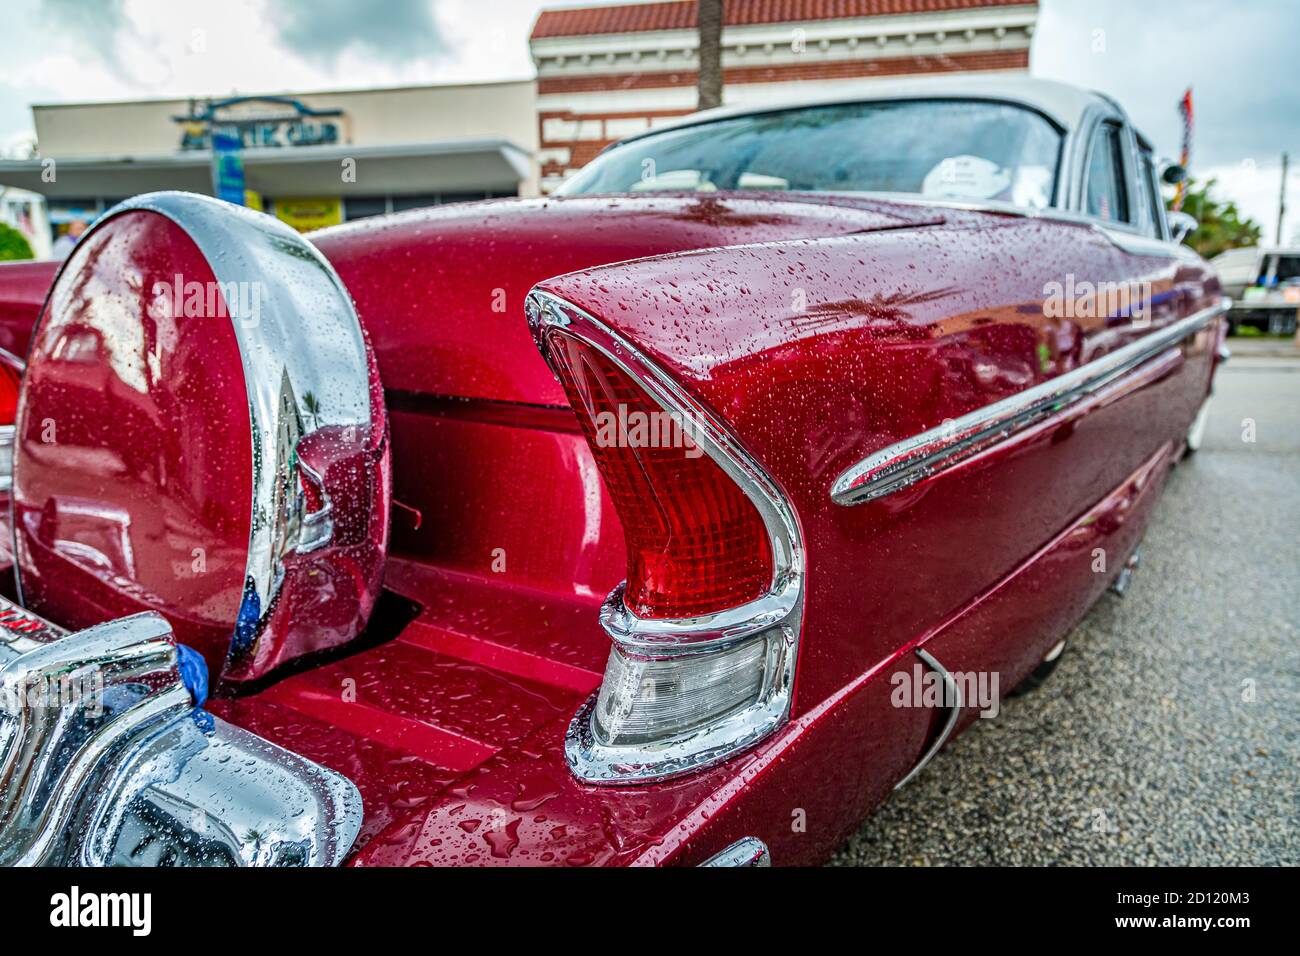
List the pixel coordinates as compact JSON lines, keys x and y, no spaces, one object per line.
{"x":1130,"y":432}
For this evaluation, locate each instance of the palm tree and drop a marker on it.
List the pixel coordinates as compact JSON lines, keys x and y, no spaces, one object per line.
{"x":710,"y":22}
{"x":312,"y":405}
{"x":255,"y":837}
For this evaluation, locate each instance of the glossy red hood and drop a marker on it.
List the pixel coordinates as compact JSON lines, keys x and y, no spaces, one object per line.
{"x":441,"y":291}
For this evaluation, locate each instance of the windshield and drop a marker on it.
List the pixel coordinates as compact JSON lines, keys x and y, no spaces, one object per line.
{"x":943,"y":149}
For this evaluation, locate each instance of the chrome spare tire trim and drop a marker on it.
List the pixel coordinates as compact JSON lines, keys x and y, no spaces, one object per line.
{"x":309,"y":380}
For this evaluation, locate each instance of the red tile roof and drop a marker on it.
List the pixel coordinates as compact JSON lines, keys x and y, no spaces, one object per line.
{"x":680,"y":14}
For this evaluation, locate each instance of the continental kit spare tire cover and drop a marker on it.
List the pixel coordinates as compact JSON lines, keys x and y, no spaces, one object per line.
{"x":201,"y":432}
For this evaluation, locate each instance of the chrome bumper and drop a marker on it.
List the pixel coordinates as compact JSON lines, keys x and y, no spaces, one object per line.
{"x":106,"y":761}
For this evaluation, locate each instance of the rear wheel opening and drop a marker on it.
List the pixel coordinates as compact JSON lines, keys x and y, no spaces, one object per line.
{"x":1039,"y":675}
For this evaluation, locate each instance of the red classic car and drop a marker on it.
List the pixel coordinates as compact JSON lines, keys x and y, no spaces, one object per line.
{"x":699,"y":505}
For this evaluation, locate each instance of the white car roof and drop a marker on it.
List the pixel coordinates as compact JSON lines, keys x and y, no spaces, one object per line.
{"x":1061,"y":102}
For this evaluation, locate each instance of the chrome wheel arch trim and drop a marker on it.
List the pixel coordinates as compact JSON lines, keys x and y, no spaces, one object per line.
{"x":953,"y":700}
{"x":779,"y":611}
{"x":292,"y":391}
{"x":746,"y":852}
{"x":939,"y":449}
{"x":1196,"y":431}
{"x":127,"y":764}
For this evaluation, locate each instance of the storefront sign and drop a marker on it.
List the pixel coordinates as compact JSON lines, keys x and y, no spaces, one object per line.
{"x":227,"y":168}
{"x":308,"y":214}
{"x":260,"y":122}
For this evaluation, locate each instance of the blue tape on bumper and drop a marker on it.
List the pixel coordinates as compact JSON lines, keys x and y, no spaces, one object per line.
{"x":194,"y":673}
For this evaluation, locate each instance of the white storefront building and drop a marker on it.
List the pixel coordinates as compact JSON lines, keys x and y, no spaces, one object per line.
{"x":311,"y":158}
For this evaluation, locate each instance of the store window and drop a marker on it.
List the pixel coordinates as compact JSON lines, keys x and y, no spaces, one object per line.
{"x":363,"y":207}
{"x":401,"y":203}
{"x":64,"y":212}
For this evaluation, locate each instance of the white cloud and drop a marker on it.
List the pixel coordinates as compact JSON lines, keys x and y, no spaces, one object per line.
{"x":173,"y":48}
{"x":1255,"y":187}
{"x":1144,"y":54}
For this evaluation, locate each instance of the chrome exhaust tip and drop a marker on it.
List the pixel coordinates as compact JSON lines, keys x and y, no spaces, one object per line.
{"x":1122,"y":581}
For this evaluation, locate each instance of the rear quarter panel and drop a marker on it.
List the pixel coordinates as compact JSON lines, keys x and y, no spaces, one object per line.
{"x":819,"y":353}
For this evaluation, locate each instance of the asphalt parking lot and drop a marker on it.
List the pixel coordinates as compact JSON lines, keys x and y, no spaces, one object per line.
{"x":1170,"y":733}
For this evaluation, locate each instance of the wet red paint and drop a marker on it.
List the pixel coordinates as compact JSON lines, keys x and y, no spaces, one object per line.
{"x":836,"y":331}
{"x":133,"y":470}
{"x":441,"y":291}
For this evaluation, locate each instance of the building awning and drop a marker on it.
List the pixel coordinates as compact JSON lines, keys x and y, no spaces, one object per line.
{"x":451,"y":166}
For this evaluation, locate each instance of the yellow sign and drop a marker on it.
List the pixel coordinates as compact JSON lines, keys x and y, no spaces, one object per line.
{"x":308,"y":214}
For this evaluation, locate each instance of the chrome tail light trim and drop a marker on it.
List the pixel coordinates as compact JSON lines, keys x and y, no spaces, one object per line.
{"x":933,"y":452}
{"x":778,"y":613}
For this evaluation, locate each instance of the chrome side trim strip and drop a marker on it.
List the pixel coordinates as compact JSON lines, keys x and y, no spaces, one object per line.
{"x":925,"y":455}
{"x":745,"y":852}
{"x":7,"y":433}
{"x":952,"y":692}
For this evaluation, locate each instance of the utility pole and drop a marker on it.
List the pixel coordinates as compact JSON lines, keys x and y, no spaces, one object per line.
{"x":710,"y":26}
{"x":1281,"y":199}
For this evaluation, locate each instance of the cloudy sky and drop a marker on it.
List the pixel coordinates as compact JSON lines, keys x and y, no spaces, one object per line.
{"x":1240,"y":59}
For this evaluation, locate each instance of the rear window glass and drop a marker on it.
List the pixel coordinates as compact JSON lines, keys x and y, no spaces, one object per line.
{"x":944,"y":149}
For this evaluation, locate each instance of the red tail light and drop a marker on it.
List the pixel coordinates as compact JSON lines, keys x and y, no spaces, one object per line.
{"x":10,"y":382}
{"x":696,"y":544}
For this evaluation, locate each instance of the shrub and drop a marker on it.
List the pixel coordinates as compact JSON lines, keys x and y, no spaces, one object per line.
{"x":13,"y":244}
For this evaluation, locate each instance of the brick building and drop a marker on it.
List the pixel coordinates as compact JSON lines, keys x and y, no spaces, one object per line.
{"x":606,"y":72}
